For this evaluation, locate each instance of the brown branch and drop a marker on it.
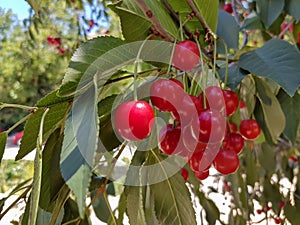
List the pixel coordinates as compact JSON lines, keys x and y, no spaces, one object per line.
{"x":199,"y":16}
{"x":175,"y":16}
{"x":150,"y":16}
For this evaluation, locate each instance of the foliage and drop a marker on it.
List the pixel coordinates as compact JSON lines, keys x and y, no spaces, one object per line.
{"x":248,"y":51}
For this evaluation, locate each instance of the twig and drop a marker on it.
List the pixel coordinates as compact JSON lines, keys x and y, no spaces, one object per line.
{"x":236,"y":18}
{"x":15,"y":202}
{"x":150,"y":16}
{"x":102,"y":189}
{"x":175,"y":16}
{"x":199,"y":16}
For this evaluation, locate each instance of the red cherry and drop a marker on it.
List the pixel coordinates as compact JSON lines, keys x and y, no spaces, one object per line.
{"x":168,"y":138}
{"x":242,"y":105}
{"x":259,"y":211}
{"x":185,"y":174}
{"x":195,"y":161}
{"x":134,"y":120}
{"x":189,"y":109}
{"x":214,"y":98}
{"x":298,"y":39}
{"x":227,"y":8}
{"x":233,"y":141}
{"x":231,"y":102}
{"x":201,"y":175}
{"x":281,"y":204}
{"x":190,"y":140}
{"x":177,"y":82}
{"x":226,"y":162}
{"x":166,"y":95}
{"x":186,"y":55}
{"x":212,"y":126}
{"x":277,"y":220}
{"x":231,"y":127}
{"x":249,"y":129}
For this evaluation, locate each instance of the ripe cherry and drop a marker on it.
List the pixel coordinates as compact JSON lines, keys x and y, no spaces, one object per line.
{"x":242,"y":105}
{"x":231,"y":127}
{"x":233,"y":141}
{"x":227,"y":8}
{"x":231,"y":102}
{"x":214,"y":98}
{"x":281,"y":204}
{"x":189,"y":109}
{"x":169,"y":138}
{"x":212,"y":126}
{"x":166,"y":95}
{"x":186,"y":55}
{"x":195,"y":161}
{"x":259,"y":211}
{"x":133,"y":120}
{"x":201,"y":175}
{"x":249,"y":129}
{"x":277,"y":220}
{"x":226,"y":161}
{"x":184,"y":173}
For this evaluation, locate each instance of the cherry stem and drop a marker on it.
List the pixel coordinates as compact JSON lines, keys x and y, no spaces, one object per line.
{"x":7,"y":105}
{"x":102,"y":189}
{"x":18,"y":123}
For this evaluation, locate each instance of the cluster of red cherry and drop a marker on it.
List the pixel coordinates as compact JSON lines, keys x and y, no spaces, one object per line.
{"x":56,"y":42}
{"x":200,"y":132}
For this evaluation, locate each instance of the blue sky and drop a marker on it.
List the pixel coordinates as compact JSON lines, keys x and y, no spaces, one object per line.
{"x":19,"y":7}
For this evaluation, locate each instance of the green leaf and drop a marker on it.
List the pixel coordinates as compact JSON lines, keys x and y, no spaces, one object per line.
{"x":82,"y":59}
{"x":239,"y":192}
{"x":52,"y":99}
{"x":44,"y":217}
{"x":52,"y":180}
{"x":260,"y":118}
{"x":290,"y":212}
{"x":271,"y":193}
{"x":228,"y":29}
{"x":266,"y":157}
{"x":290,"y":106}
{"x":134,"y":205}
{"x":75,"y":163}
{"x":121,"y":208}
{"x":292,"y":7}
{"x":250,"y":166}
{"x":3,"y":138}
{"x":211,"y":210}
{"x":80,"y":144}
{"x":269,"y":10}
{"x":274,"y":121}
{"x":71,"y":213}
{"x":130,"y":15}
{"x":235,"y":75}
{"x":53,"y":119}
{"x":35,"y":4}
{"x":277,"y":60}
{"x":173,"y":204}
{"x":101,"y":207}
{"x":252,"y":22}
{"x":209,"y":11}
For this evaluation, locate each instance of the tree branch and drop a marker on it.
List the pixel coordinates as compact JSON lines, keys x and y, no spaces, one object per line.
{"x":150,"y":16}
{"x":175,"y":16}
{"x":199,"y":16}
